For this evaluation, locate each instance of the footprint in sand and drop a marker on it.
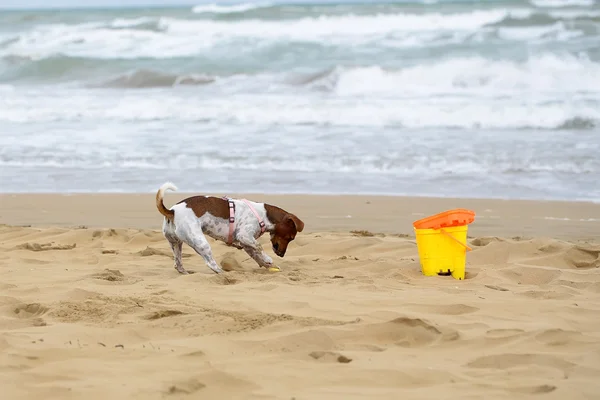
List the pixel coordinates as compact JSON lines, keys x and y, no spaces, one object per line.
{"x":405,"y":332}
{"x":111,"y":275}
{"x":186,"y":387}
{"x":31,"y":310}
{"x":163,"y":314}
{"x":151,"y":251}
{"x":105,"y":233}
{"x":330,"y":356}
{"x":484,"y":241}
{"x":115,"y":276}
{"x":583,"y":257}
{"x":534,"y":389}
{"x":530,"y":275}
{"x":197,"y":353}
{"x":223,"y":279}
{"x":29,"y":314}
{"x":45,"y":246}
{"x":538,"y":389}
{"x":506,"y":361}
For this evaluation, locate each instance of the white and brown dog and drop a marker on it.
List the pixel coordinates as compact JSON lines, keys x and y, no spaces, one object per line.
{"x":239,"y":223}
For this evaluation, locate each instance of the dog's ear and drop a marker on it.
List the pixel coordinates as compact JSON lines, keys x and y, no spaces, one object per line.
{"x":292,"y":219}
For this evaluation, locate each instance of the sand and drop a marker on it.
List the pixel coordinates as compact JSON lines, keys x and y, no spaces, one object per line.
{"x":91,"y":307}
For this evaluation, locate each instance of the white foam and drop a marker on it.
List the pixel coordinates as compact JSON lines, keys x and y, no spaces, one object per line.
{"x":180,"y":37}
{"x":127,"y":22}
{"x":250,"y":159}
{"x":253,"y":109}
{"x":215,"y":8}
{"x":562,"y":3}
{"x":554,"y":32}
{"x":173,"y":37}
{"x":353,"y":25}
{"x":539,"y":76}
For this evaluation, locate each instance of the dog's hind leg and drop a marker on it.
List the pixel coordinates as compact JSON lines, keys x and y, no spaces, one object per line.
{"x":197,"y":241}
{"x":176,"y":246}
{"x":177,"y":250}
{"x":202,"y":247}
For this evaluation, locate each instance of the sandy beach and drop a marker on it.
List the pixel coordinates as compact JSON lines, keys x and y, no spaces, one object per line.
{"x":91,"y":307}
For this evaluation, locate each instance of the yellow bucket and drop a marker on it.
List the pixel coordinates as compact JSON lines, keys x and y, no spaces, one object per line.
{"x":443,"y":251}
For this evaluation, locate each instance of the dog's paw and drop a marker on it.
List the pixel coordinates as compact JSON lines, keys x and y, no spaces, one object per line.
{"x":268,"y":261}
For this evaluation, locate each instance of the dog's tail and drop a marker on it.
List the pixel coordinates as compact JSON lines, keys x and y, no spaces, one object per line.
{"x":159,"y":200}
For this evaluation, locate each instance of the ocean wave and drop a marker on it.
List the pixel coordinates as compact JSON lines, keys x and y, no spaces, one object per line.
{"x":140,"y":24}
{"x":167,"y":37}
{"x":152,"y":79}
{"x":555,"y":33}
{"x":541,"y":75}
{"x":8,"y":40}
{"x":215,"y":8}
{"x":535,"y":19}
{"x":562,"y":3}
{"x":53,"y":68}
{"x":400,"y":163}
{"x":425,"y":112}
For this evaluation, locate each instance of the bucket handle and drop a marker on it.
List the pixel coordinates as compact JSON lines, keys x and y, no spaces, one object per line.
{"x":467,"y":248}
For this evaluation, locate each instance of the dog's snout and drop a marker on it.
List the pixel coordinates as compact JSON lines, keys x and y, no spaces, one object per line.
{"x":278,"y":250}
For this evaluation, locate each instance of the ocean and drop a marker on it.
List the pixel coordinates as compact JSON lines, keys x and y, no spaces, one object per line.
{"x":483,"y":99}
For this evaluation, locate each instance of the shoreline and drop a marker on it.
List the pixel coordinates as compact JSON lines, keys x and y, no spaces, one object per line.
{"x":331,"y":213}
{"x":321,"y":194}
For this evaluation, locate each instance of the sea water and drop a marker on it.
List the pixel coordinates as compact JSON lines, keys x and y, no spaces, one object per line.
{"x":493,"y":99}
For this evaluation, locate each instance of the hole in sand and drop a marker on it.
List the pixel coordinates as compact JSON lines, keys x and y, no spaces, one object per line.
{"x":330,"y":357}
{"x":163,"y":314}
{"x":45,"y":246}
{"x":111,"y":275}
{"x":30,"y":310}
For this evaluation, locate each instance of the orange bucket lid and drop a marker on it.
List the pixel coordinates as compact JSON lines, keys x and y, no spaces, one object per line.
{"x":446,"y":219}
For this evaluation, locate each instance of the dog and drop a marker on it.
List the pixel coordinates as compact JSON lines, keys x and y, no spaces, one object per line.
{"x":238,"y":223}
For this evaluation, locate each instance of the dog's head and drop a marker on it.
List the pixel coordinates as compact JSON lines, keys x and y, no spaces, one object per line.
{"x":284,"y":232}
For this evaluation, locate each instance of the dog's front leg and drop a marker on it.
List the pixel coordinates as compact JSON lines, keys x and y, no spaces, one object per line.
{"x":257,"y":253}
